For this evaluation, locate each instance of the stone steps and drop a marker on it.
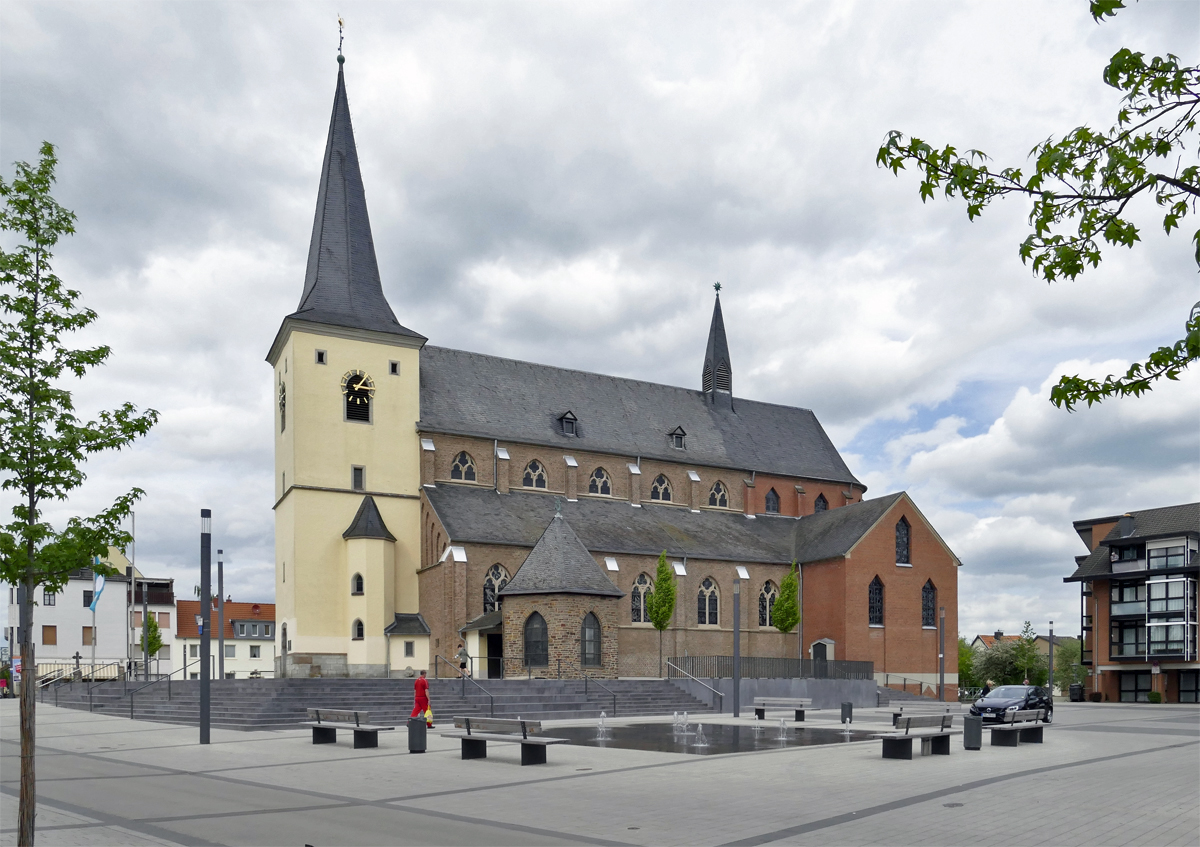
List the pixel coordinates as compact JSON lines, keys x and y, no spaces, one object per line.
{"x":267,"y":704}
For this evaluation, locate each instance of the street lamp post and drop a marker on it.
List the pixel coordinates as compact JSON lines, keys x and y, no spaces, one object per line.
{"x":1050,"y":680}
{"x":942,"y":653}
{"x":220,"y":614}
{"x":737,"y":647}
{"x":206,"y":615}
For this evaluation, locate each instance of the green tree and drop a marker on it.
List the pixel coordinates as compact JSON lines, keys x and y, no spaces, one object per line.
{"x":786,"y":612}
{"x":1082,"y":186}
{"x":151,"y":637}
{"x":660,"y":605}
{"x":967,"y":678}
{"x":999,"y":665}
{"x":43,"y":445}
{"x":1067,"y":668}
{"x":1033,"y":664}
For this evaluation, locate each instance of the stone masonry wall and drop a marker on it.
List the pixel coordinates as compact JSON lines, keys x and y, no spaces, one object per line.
{"x":564,"y":615}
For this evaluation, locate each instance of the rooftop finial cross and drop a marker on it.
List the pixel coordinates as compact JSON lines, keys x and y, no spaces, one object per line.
{"x":717,"y":287}
{"x":341,"y":23}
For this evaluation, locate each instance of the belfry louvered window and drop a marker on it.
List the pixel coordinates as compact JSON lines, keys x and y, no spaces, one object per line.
{"x":903,"y":536}
{"x":929,"y":604}
{"x":706,"y":383}
{"x":463,"y":467}
{"x":723,"y":380}
{"x":497,"y":578}
{"x":875,"y":602}
{"x":718,"y":496}
{"x":660,"y":489}
{"x":821,"y":504}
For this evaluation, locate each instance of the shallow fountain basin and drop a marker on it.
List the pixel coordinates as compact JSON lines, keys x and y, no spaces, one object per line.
{"x":720,"y":738}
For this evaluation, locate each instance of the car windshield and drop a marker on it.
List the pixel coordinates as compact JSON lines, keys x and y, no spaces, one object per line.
{"x":1007,"y":692}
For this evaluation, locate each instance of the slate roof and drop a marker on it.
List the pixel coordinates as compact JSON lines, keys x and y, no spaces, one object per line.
{"x":341,"y":284}
{"x":718,"y":347}
{"x":1183,"y":519}
{"x":368,"y":523}
{"x":481,"y":516}
{"x":560,"y":564}
{"x":491,"y":397}
{"x":407,"y":624}
{"x":488,"y":620}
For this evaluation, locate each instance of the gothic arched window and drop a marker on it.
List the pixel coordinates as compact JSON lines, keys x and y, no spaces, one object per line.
{"x":660,"y":489}
{"x":589,"y":641}
{"x":821,"y":504}
{"x":929,"y":604}
{"x":600,"y":483}
{"x":707,"y":603}
{"x":535,"y":475}
{"x":357,"y":631}
{"x":718,"y":496}
{"x":766,"y":604}
{"x":642,"y":588}
{"x":497,"y":578}
{"x":356,"y":584}
{"x":772,"y":502}
{"x":537,"y":644}
{"x":903,"y":534}
{"x":463,"y":467}
{"x":875,"y":602}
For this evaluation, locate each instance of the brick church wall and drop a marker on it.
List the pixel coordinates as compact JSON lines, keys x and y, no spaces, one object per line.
{"x":564,"y":614}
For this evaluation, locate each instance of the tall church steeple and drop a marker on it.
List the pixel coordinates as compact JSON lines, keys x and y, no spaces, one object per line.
{"x":717,"y":381}
{"x":342,"y":285}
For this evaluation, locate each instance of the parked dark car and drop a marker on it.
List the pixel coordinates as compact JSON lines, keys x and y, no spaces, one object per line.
{"x":1013,"y":698}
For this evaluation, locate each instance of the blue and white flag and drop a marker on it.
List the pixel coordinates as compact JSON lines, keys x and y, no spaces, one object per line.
{"x":99,"y":589}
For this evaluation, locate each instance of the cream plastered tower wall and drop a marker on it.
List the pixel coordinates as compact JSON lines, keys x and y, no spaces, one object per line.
{"x":316,"y":449}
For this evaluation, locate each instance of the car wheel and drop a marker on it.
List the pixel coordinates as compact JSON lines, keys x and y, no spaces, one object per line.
{"x":1049,"y":716}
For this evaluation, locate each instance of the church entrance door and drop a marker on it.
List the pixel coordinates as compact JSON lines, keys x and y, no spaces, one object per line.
{"x":495,"y":655}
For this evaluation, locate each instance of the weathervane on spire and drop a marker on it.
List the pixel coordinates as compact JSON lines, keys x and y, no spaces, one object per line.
{"x":341,"y":23}
{"x":558,"y":507}
{"x":717,"y":287}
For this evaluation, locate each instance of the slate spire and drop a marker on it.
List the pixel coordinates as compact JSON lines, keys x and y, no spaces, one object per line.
{"x":342,"y":285}
{"x":717,"y":381}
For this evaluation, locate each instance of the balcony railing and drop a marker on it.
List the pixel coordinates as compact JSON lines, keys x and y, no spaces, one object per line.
{"x":1127,"y":651}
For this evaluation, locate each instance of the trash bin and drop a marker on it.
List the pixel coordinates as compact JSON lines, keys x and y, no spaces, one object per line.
{"x":416,"y":735}
{"x":972,"y":732}
{"x":1076,"y":691}
{"x":847,"y":713}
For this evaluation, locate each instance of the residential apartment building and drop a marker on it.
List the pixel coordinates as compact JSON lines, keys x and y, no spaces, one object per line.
{"x":1138,"y":603}
{"x":249,"y":639}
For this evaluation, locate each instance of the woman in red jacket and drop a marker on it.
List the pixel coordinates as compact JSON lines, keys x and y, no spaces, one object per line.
{"x":421,"y":696}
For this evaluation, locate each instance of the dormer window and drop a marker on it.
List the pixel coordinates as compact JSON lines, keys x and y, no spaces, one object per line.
{"x":677,"y":436}
{"x":569,"y":424}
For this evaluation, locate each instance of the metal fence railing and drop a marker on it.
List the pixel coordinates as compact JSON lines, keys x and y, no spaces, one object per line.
{"x":765,"y":667}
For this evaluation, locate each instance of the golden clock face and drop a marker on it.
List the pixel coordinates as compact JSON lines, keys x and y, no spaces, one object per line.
{"x":358,"y":387}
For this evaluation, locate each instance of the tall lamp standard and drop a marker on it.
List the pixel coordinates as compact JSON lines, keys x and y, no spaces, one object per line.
{"x":942,"y":654}
{"x":221,"y":614}
{"x":1050,"y":681}
{"x":205,"y":617}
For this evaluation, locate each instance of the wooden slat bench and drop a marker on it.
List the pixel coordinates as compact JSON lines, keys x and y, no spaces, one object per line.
{"x":898,"y":745}
{"x":1017,"y":727}
{"x":326,"y":722}
{"x":931,"y":708}
{"x":761,"y":704}
{"x":477,"y":732}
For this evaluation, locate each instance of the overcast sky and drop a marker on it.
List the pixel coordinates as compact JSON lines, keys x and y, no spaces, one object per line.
{"x":563,"y":182}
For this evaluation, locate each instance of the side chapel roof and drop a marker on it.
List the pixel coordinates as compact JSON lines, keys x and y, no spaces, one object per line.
{"x":560,"y":564}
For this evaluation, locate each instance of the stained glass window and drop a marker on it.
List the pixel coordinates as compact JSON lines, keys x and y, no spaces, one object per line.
{"x":642,"y":587}
{"x":537,"y":644}
{"x":497,"y":578}
{"x":600,"y":483}
{"x":875,"y":603}
{"x":707,"y":604}
{"x":929,"y":604}
{"x":535,"y":475}
{"x":463,"y":467}
{"x":766,"y":604}
{"x":903,"y":533}
{"x":772,"y":502}
{"x":821,"y":504}
{"x":660,"y":489}
{"x":718,"y":496}
{"x":589,"y":641}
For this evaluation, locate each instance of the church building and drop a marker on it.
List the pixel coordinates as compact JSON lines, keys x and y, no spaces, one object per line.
{"x":427,"y":497}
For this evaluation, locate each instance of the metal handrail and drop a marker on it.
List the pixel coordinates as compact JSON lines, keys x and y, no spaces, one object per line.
{"x":465,"y":679}
{"x":586,"y":679}
{"x":721,"y":709}
{"x":163,"y":678}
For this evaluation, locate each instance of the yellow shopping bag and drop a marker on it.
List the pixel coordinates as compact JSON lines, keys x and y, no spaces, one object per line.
{"x":429,"y":717}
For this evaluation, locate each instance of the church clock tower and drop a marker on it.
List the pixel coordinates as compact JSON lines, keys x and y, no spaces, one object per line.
{"x":347,"y":472}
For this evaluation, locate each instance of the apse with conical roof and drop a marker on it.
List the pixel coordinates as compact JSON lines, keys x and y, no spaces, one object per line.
{"x":342,"y":286}
{"x":717,"y":380}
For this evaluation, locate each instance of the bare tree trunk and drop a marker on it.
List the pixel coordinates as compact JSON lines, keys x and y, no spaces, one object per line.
{"x":28,"y":802}
{"x":660,"y":666}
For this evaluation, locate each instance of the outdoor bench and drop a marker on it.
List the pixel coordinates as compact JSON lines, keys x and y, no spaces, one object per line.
{"x":761,"y":704}
{"x":326,"y":722}
{"x":479,"y":731}
{"x":918,"y":708}
{"x":1017,"y":727}
{"x":898,"y":745}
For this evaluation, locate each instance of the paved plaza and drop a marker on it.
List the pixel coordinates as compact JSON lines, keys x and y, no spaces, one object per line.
{"x":1108,"y":774}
